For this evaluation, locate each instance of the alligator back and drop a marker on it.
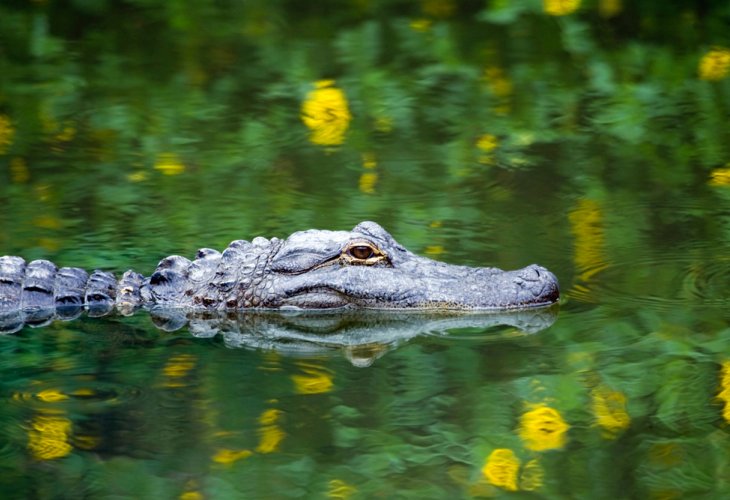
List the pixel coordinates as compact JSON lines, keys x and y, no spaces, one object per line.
{"x":40,"y":284}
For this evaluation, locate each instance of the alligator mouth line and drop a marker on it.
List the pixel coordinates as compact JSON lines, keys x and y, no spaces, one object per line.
{"x":330,"y":298}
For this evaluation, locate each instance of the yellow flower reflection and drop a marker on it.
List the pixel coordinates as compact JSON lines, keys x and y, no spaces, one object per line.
{"x":560,"y":7}
{"x":138,"y":176}
{"x":51,"y":396}
{"x":369,"y":160}
{"x":340,"y":489}
{"x":326,"y":113}
{"x":176,"y":369}
{"x":191,"y":495}
{"x":383,"y":124}
{"x":724,"y":392}
{"x":497,"y":81}
{"x":586,"y":221}
{"x":542,"y":428}
{"x":169,"y":164}
{"x":532,"y":476}
{"x":609,"y":408}
{"x":19,"y":172}
{"x":486,"y":144}
{"x":720,"y":176}
{"x":48,"y":437}
{"x":86,"y":441}
{"x":315,"y":380}
{"x":715,"y":65}
{"x":226,"y":456}
{"x":501,"y":469}
{"x":434,"y":250}
{"x":500,"y":86}
{"x":421,"y":25}
{"x":191,"y":491}
{"x":270,"y":434}
{"x":7,"y":132}
{"x":67,"y":133}
{"x":367,"y":182}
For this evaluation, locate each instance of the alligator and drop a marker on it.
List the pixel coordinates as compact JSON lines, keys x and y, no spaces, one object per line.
{"x":364,"y":268}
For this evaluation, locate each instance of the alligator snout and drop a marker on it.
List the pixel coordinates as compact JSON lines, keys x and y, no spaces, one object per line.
{"x":537,"y":285}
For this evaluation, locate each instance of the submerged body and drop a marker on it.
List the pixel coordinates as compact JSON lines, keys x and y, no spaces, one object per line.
{"x":314,"y":269}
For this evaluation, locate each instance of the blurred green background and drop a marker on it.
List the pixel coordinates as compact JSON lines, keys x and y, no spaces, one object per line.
{"x":591,"y":137}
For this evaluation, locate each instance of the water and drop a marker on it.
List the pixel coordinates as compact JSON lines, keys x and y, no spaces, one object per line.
{"x":593,"y":142}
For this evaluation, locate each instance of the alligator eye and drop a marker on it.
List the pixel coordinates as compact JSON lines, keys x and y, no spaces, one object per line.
{"x":362,"y":252}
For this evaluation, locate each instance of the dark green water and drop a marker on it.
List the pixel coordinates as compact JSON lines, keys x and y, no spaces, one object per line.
{"x":595,"y":143}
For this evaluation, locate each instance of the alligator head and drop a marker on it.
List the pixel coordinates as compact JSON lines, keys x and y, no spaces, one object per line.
{"x":367,"y":268}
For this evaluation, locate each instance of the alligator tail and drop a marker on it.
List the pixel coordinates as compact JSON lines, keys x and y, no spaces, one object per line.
{"x":37,"y":291}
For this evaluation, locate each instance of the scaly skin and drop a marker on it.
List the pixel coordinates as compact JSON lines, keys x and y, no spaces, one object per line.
{"x":362,"y":268}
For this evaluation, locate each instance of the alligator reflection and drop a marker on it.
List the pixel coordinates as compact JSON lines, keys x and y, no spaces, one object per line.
{"x":361,"y":335}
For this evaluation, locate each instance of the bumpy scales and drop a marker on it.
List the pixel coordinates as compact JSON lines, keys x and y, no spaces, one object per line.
{"x":362,"y":268}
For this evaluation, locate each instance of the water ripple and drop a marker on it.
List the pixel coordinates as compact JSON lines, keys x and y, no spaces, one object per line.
{"x":697,"y":275}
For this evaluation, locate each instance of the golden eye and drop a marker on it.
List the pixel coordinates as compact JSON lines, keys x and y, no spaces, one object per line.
{"x":361,"y":252}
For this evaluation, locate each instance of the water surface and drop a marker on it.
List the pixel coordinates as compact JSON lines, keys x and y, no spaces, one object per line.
{"x":589,"y":138}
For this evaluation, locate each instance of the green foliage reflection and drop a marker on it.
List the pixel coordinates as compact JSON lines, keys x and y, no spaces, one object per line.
{"x":590,"y":133}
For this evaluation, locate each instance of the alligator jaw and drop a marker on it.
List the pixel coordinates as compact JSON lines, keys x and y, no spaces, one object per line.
{"x":425,"y":285}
